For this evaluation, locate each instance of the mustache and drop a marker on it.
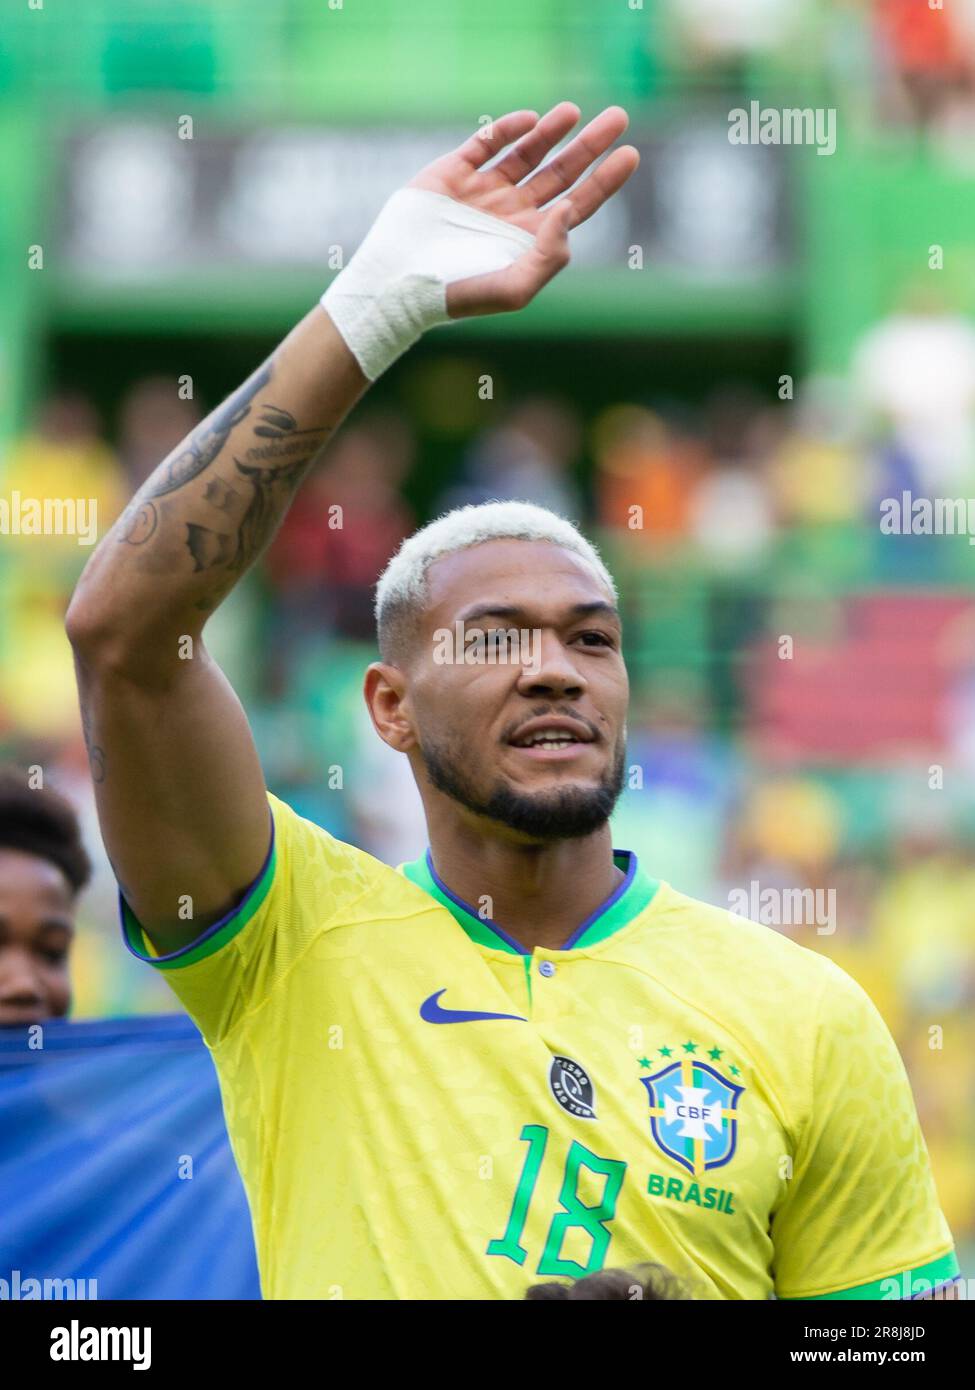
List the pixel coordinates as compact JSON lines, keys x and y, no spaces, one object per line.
{"x":564,"y":813}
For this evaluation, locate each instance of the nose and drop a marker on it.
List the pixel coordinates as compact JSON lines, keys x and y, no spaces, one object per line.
{"x":550,"y":670}
{"x":19,"y":980}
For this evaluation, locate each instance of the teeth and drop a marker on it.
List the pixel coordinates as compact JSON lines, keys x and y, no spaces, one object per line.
{"x":548,"y":741}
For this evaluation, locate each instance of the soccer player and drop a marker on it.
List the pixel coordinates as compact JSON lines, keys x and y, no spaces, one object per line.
{"x":521,"y":1056}
{"x":43,"y":868}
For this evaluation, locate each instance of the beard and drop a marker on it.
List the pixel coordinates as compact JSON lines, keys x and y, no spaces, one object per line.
{"x":564,"y":813}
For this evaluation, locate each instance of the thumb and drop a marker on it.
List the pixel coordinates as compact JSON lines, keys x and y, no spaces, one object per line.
{"x":552,"y":238}
{"x":502,"y":291}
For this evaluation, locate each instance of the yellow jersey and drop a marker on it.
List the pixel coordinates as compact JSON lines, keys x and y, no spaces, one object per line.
{"x":422,"y":1109}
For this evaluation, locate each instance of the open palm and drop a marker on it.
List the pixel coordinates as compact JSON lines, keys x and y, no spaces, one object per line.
{"x":516,"y":190}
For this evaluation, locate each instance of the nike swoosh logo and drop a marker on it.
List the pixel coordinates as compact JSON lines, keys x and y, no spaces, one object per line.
{"x":431,"y":1012}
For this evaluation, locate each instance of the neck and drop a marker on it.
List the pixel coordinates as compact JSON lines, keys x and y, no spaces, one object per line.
{"x":539,"y":894}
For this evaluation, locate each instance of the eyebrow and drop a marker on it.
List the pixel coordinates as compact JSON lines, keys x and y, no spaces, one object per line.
{"x":45,"y":927}
{"x":599,"y":607}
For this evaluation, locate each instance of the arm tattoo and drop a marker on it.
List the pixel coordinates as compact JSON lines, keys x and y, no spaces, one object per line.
{"x":258,"y":521}
{"x":294,"y":448}
{"x":138,"y":523}
{"x":207,"y":441}
{"x":210,"y":549}
{"x":96,"y":754}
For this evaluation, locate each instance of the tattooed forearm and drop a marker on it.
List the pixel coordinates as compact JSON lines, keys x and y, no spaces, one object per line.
{"x":138,"y":523}
{"x":209,"y":549}
{"x":206,"y":442}
{"x":213,"y":504}
{"x":251,"y":504}
{"x":221,"y":495}
{"x":258,"y":499}
{"x":286,"y":440}
{"x":264,"y":509}
{"x":259,"y":515}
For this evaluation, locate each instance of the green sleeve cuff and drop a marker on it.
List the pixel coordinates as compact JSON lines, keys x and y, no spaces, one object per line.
{"x":215,"y":937}
{"x":910,"y":1283}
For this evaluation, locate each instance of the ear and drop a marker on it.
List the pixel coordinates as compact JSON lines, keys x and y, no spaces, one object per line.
{"x":384,"y":689}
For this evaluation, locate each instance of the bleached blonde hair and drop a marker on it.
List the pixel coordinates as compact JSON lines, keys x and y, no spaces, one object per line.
{"x":401,"y":592}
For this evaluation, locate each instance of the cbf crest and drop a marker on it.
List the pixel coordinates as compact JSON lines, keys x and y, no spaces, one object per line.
{"x":694,"y":1113}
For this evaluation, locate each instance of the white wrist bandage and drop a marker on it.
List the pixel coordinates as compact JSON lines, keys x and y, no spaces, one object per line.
{"x":395,"y":286}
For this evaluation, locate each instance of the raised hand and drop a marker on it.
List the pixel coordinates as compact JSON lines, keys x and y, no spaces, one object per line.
{"x":516,"y":190}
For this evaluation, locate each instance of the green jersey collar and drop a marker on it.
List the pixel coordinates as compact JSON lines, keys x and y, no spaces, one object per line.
{"x":627,"y":900}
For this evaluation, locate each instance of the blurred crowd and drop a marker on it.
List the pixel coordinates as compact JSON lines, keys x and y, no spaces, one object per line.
{"x":901,"y":62}
{"x":754,"y":762}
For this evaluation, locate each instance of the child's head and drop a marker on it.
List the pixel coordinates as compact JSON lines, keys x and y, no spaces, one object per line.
{"x":43,"y":867}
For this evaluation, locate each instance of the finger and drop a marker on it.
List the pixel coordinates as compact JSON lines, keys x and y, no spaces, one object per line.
{"x":533,"y":147}
{"x":512,"y":288}
{"x":491,"y":139}
{"x":605,"y":180}
{"x":560,"y":173}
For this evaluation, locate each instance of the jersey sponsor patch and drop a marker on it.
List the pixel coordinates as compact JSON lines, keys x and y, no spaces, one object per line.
{"x":572,"y":1088}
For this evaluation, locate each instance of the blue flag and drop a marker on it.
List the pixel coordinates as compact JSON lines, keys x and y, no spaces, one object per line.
{"x":115,"y":1167}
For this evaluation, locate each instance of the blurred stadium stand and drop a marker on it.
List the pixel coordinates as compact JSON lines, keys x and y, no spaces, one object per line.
{"x":659,"y":386}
